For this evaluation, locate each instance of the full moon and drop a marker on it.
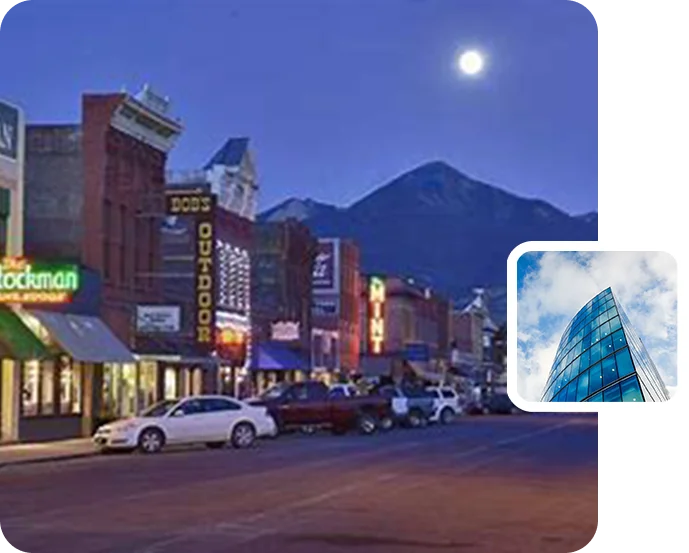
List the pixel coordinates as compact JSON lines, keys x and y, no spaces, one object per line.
{"x":471,"y":62}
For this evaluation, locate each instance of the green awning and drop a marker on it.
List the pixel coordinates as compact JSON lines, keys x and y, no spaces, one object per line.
{"x":16,"y":340}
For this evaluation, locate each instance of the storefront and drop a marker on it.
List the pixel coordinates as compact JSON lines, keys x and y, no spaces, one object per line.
{"x":85,"y":379}
{"x":273,"y":363}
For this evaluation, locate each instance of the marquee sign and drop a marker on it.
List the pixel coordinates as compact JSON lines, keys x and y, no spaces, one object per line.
{"x":201,"y":206}
{"x":376,"y":322}
{"x":285,"y":331}
{"x":22,"y":281}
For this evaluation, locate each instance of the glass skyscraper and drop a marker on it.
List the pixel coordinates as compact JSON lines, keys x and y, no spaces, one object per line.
{"x":602,"y":358}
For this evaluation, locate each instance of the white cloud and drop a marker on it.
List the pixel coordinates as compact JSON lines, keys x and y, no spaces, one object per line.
{"x":563,"y":282}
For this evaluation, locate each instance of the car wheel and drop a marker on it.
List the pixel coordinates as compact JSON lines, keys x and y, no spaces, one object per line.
{"x":308,"y":429}
{"x":215,"y":445}
{"x":446,"y":416}
{"x":366,"y":424}
{"x":415,"y":419}
{"x":386,"y":423}
{"x":243,"y":435}
{"x":151,"y":440}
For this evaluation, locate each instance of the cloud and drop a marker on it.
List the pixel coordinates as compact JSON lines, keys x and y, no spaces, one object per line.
{"x":560,"y":283}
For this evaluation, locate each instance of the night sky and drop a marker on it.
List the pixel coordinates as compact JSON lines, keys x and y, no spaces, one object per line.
{"x":337,"y":96}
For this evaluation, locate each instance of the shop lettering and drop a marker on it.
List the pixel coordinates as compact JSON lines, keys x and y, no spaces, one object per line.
{"x":24,"y":282}
{"x":204,"y":283}
{"x":189,"y":205}
{"x":377,"y":317}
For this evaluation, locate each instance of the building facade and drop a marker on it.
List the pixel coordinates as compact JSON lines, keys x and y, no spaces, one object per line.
{"x":88,"y":206}
{"x":602,"y":358}
{"x":211,"y":341}
{"x":336,"y":306}
{"x":403,"y":324}
{"x":281,"y":299}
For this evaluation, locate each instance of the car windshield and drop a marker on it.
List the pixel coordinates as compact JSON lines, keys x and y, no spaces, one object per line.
{"x":159,"y":409}
{"x":275,"y":391}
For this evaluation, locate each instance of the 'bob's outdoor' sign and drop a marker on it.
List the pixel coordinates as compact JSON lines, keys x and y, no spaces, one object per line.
{"x":201,"y":206}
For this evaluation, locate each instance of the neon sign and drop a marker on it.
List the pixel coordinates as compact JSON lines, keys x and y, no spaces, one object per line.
{"x":376,"y":301}
{"x":24,"y":282}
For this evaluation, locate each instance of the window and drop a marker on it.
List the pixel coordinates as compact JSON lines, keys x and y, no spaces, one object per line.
{"x":624,"y":363}
{"x":605,"y":329}
{"x":197,"y":382}
{"x":609,"y":370}
{"x":47,"y":389}
{"x":70,"y":389}
{"x":630,"y":390}
{"x":30,"y":388}
{"x":595,"y":353}
{"x":612,"y":393}
{"x":572,"y":391}
{"x":619,"y":340}
{"x":595,"y":378}
{"x":170,"y":383}
{"x":215,"y":405}
{"x":191,"y":407}
{"x":606,"y":346}
{"x":449,"y":394}
{"x":615,"y":324}
{"x":583,"y":386}
{"x":597,"y":397}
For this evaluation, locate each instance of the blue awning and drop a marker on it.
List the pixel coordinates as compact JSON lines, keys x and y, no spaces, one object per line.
{"x":85,"y":339}
{"x":276,"y":357}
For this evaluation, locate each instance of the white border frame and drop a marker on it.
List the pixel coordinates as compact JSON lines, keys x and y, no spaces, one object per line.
{"x":512,"y":375}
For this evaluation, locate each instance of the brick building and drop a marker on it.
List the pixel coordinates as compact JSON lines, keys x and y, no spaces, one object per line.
{"x":281,"y":280}
{"x":229,"y":184}
{"x":336,"y":306}
{"x":90,"y":194}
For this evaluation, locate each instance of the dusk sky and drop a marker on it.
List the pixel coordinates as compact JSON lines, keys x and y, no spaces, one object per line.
{"x":338,"y":97}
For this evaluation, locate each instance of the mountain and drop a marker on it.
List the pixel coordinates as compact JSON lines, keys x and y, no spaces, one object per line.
{"x":296,"y":208}
{"x":591,"y":217}
{"x":445,"y":229}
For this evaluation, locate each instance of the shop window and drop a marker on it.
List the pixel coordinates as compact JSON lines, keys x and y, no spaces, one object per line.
{"x":30,"y":387}
{"x":147,"y":384}
{"x":70,"y":389}
{"x":47,"y":373}
{"x":170,"y":383}
{"x":197,"y":384}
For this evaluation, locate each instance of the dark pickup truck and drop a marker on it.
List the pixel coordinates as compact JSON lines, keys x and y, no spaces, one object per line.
{"x":309,"y":404}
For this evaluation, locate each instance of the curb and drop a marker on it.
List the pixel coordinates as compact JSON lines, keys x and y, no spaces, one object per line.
{"x":51,"y":459}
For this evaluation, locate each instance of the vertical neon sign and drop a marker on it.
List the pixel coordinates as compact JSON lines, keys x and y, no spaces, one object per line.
{"x":376,"y":301}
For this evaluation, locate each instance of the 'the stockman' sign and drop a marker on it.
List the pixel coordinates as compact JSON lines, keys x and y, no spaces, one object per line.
{"x":201,"y":206}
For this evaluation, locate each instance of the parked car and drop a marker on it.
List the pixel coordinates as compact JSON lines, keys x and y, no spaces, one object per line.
{"x":447,"y":405}
{"x":213,"y":420}
{"x":310,"y":404}
{"x":411,"y":406}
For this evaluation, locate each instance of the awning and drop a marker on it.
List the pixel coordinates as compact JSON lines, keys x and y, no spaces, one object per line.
{"x":85,"y":339}
{"x":16,"y":340}
{"x":277,"y":357}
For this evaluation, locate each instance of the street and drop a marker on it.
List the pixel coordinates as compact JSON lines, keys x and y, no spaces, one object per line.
{"x":494,"y":484}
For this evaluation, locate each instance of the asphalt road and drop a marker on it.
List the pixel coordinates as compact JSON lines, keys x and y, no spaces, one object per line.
{"x":523,"y":483}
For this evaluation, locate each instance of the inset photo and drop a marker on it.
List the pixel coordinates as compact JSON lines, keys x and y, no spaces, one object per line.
{"x":596,"y":326}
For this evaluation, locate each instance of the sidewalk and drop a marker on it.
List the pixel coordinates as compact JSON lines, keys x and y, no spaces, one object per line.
{"x":20,"y":454}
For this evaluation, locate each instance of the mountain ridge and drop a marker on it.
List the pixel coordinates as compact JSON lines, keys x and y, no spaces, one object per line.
{"x":436,"y":223}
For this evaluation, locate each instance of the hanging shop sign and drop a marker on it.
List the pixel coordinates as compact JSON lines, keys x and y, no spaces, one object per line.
{"x":376,"y":303}
{"x":23,"y":281}
{"x":201,"y":206}
{"x":158,"y":319}
{"x":285,"y":331}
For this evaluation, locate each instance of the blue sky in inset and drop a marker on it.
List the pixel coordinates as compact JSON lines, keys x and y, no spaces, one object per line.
{"x":553,"y":286}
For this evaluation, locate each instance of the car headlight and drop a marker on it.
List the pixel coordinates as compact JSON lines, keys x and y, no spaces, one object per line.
{"x":125,"y":427}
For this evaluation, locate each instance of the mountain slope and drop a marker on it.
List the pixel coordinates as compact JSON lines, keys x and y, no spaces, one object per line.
{"x":444,"y":228}
{"x":297,"y":208}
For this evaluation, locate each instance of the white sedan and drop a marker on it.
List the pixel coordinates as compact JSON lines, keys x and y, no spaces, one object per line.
{"x":446,"y":402}
{"x":213,"y":420}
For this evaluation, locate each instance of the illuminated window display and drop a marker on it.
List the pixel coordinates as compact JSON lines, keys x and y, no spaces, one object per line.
{"x":601,"y":358}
